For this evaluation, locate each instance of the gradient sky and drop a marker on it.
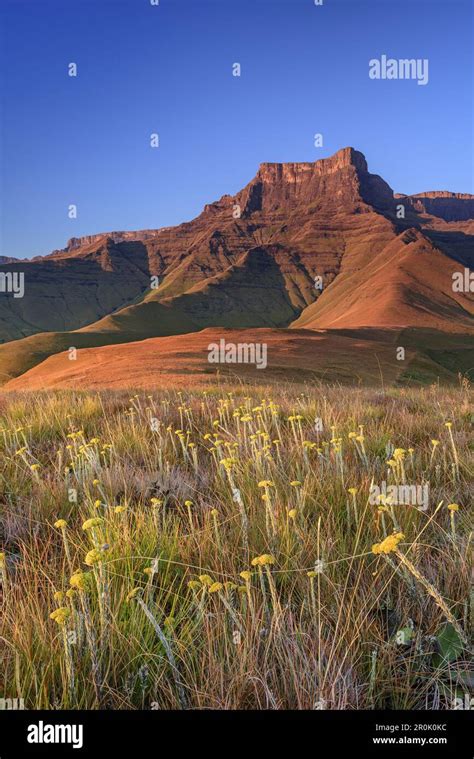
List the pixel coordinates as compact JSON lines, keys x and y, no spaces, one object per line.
{"x":168,"y":69}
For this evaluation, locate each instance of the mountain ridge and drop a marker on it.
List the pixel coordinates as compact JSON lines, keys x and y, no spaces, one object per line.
{"x":250,"y":260}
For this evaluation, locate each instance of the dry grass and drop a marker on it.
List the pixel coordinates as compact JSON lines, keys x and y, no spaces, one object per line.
{"x":187,"y":473}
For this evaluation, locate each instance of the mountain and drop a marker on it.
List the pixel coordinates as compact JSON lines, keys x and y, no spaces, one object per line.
{"x":250,"y":261}
{"x":8,"y":260}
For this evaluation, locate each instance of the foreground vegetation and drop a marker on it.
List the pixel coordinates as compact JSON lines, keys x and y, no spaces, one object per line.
{"x":219,"y":550}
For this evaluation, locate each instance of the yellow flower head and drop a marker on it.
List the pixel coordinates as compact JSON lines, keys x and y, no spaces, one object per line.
{"x":295,"y":483}
{"x":215,"y":587}
{"x":61,"y":524}
{"x":188,"y":503}
{"x":120,"y":509}
{"x":194,"y":584}
{"x":265,"y":484}
{"x":96,"y":482}
{"x":448,"y":425}
{"x":93,"y":557}
{"x":214,"y":513}
{"x":2,"y":560}
{"x":34,"y":467}
{"x":263,"y":560}
{"x":71,"y":593}
{"x":90,"y":523}
{"x":58,"y":595}
{"x":389,"y":544}
{"x":453,"y":507}
{"x":61,"y":615}
{"x":206,"y":580}
{"x":246,"y":575}
{"x":292,"y":513}
{"x":311,"y":573}
{"x":78,"y":580}
{"x":352,"y":491}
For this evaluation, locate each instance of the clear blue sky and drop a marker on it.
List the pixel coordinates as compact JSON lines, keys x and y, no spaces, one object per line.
{"x":168,"y":69}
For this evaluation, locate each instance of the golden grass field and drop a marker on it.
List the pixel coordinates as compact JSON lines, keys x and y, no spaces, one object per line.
{"x":218,"y":550}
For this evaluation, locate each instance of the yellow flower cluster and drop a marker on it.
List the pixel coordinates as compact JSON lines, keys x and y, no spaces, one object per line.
{"x":263,"y":560}
{"x":90,"y":523}
{"x":93,"y":557}
{"x":61,"y":615}
{"x":389,"y":544}
{"x":79,"y":580}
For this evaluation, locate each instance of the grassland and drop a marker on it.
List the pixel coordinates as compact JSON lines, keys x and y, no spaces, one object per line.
{"x":219,"y":550}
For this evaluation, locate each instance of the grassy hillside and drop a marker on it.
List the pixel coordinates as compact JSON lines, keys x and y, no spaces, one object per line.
{"x":219,"y":550}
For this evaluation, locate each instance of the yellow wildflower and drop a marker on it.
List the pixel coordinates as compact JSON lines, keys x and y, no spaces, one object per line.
{"x":205,"y":579}
{"x":61,"y":615}
{"x":389,"y":544}
{"x":90,"y":523}
{"x":215,"y":587}
{"x":92,"y":557}
{"x":263,"y":560}
{"x":61,"y":524}
{"x":194,"y":585}
{"x":78,"y":580}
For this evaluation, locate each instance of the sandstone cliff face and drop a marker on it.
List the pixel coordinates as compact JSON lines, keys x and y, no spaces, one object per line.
{"x":330,"y":218}
{"x":450,"y":206}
